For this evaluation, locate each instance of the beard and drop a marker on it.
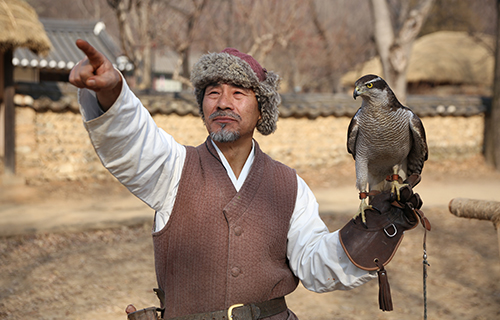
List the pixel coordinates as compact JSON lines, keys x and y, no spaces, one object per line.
{"x":225,"y":135}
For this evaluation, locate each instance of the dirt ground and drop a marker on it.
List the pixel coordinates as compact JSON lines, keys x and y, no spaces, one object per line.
{"x":96,"y":274}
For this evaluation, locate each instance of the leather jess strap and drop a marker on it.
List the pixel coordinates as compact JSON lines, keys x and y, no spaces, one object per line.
{"x":252,"y":311}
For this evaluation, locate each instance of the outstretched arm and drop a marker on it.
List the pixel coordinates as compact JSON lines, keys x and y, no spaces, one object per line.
{"x":143,"y":157}
{"x":96,"y":72}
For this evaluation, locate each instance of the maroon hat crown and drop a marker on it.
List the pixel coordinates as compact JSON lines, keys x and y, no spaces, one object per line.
{"x":254,"y":64}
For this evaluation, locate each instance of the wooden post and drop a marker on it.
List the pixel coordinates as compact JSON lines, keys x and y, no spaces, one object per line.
{"x":477,"y":209}
{"x":492,"y":118}
{"x":10,"y":114}
{"x":2,"y":109}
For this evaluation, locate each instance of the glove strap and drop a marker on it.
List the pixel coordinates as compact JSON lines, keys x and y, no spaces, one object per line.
{"x":394,"y":177}
{"x":384,"y":290}
{"x":364,"y":195}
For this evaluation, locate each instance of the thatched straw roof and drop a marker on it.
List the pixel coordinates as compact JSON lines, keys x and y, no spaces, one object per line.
{"x":21,"y":28}
{"x":442,"y":57}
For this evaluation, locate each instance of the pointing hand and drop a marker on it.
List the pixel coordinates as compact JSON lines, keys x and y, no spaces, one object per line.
{"x":96,"y":72}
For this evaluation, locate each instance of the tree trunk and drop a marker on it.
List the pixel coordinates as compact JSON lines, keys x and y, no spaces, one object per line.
{"x":183,"y":49}
{"x":395,"y":50}
{"x":492,"y":119}
{"x":143,"y":8}
{"x":185,"y":66}
{"x":135,"y":38}
{"x":333,"y":77}
{"x":10,"y":114}
{"x":384,"y":35}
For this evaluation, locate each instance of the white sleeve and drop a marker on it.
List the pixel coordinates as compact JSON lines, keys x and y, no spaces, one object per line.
{"x":315,"y":255}
{"x":143,"y":157}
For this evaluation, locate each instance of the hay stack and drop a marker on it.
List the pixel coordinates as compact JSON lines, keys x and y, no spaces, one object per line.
{"x":21,"y":28}
{"x":444,"y":57}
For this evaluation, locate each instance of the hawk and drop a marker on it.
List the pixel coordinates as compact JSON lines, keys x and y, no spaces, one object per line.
{"x":385,"y":138}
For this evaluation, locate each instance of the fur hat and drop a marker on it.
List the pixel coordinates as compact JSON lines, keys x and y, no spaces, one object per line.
{"x":232,"y":66}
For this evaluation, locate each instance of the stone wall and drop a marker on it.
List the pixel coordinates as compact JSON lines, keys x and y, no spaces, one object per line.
{"x":54,"y":146}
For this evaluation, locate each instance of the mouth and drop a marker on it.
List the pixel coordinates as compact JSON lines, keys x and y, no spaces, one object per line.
{"x":224,"y":119}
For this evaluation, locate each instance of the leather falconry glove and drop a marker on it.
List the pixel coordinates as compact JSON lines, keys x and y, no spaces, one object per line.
{"x":372,"y":246}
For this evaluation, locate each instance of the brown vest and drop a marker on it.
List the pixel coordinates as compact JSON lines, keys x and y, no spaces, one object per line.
{"x":221,"y":247}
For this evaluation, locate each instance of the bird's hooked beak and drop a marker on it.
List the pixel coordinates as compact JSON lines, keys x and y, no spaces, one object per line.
{"x":356,"y":92}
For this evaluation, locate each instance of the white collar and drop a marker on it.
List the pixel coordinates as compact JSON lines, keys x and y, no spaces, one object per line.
{"x":237,"y":182}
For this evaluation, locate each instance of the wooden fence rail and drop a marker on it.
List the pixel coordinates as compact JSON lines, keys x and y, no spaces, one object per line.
{"x":477,"y":209}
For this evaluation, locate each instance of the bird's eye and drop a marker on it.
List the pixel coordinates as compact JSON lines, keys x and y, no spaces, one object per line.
{"x":369,"y":85}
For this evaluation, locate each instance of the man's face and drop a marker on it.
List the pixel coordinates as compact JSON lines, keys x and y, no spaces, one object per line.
{"x":231,"y":112}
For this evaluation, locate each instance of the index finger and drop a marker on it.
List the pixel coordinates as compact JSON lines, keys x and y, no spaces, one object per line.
{"x":96,"y":58}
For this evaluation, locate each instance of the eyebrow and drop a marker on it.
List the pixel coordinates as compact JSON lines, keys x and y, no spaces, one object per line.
{"x":239,"y":87}
{"x":213,"y":84}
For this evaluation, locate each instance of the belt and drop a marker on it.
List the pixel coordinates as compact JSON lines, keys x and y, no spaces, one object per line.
{"x":251,"y":311}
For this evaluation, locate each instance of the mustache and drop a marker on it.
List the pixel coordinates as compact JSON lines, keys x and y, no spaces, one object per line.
{"x":221,"y":113}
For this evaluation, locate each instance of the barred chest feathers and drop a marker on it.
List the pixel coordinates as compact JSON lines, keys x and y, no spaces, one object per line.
{"x":382,"y":131}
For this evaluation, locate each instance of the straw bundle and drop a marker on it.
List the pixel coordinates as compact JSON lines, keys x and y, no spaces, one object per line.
{"x":21,"y":28}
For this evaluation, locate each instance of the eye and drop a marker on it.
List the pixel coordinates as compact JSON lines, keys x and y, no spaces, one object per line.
{"x":240,"y":92}
{"x":211,"y":92}
{"x":369,"y":85}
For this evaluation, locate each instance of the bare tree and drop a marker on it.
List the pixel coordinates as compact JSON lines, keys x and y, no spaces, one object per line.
{"x":321,"y":30}
{"x":276,"y":25}
{"x":328,"y":42}
{"x":266,"y":29}
{"x":177,"y":28}
{"x":311,"y":43}
{"x":340,"y":36}
{"x":94,"y":10}
{"x":90,"y":8}
{"x":394,"y":38}
{"x":135,"y":37}
{"x":280,"y":34}
{"x":255,"y":26}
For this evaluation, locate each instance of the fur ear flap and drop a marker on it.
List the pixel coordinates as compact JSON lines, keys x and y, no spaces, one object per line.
{"x":269,"y":100}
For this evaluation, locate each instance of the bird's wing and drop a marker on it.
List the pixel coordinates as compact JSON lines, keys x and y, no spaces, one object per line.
{"x":352,"y":135}
{"x":419,"y":151}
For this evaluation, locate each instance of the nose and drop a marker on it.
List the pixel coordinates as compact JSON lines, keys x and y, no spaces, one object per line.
{"x":225,"y":99}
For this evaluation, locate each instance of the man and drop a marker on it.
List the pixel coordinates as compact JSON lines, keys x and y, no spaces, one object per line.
{"x":232,"y":226}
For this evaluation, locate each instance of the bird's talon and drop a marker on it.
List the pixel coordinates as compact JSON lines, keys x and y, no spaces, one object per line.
{"x":361,"y":211}
{"x":395,"y":187}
